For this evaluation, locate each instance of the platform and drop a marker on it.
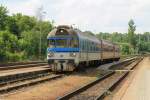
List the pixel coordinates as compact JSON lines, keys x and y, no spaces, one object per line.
{"x":137,"y":84}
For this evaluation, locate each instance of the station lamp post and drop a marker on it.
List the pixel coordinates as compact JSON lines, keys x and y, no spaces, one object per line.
{"x":40,"y":15}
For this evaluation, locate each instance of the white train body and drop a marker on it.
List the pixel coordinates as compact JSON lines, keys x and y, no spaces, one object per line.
{"x":69,"y":48}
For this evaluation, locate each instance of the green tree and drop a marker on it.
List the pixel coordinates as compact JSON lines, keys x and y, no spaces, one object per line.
{"x":12,"y":26}
{"x":9,"y":47}
{"x":125,"y":48}
{"x":22,"y":23}
{"x":131,"y":33}
{"x":3,"y":17}
{"x":30,"y":40}
{"x":20,"y":35}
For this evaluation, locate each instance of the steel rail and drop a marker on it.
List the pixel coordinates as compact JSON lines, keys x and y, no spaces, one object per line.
{"x":20,"y":63}
{"x":83,"y":88}
{"x":20,"y":85}
{"x":22,"y":66}
{"x":117,"y":82}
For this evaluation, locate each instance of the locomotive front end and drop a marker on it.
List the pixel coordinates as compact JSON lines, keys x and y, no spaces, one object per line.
{"x":62,"y":51}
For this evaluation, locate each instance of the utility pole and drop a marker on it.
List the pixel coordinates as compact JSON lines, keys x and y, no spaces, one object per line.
{"x":40,"y":14}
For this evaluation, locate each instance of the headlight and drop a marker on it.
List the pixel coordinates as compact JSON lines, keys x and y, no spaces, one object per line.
{"x":72,"y":54}
{"x":50,"y":54}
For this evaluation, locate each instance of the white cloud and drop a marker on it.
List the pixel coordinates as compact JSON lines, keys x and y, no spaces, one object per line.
{"x":94,"y":15}
{"x":27,"y":7}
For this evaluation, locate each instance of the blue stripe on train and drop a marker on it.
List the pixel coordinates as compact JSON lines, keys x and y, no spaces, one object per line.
{"x":58,"y":38}
{"x":63,"y":49}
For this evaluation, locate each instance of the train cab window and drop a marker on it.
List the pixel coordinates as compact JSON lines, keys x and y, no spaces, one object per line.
{"x":61,"y":43}
{"x":73,"y":43}
{"x":51,"y":43}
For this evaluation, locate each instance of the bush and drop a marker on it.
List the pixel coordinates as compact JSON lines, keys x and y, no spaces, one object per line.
{"x":13,"y":57}
{"x":9,"y":47}
{"x":126,"y":49}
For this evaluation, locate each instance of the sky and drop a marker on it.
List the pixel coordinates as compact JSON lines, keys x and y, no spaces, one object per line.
{"x":93,"y":15}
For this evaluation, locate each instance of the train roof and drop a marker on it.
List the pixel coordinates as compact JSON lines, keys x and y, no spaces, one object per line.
{"x":86,"y":35}
{"x":110,"y":43}
{"x":72,"y":31}
{"x":69,"y":30}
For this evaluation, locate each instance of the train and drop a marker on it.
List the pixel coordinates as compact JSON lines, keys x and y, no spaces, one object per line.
{"x":69,"y":48}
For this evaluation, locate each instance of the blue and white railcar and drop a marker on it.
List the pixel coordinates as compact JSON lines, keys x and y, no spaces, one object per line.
{"x":70,"y":47}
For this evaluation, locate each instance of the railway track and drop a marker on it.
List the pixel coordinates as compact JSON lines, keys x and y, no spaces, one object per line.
{"x":20,"y":63}
{"x":10,"y":66}
{"x":15,"y":79}
{"x":98,"y":89}
{"x":26,"y":82}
